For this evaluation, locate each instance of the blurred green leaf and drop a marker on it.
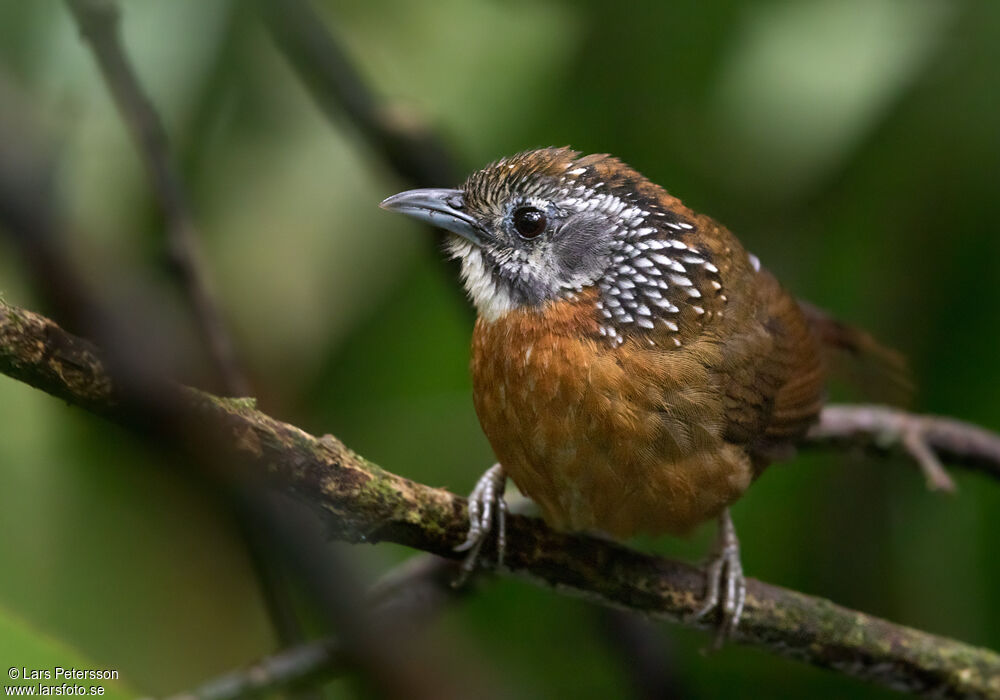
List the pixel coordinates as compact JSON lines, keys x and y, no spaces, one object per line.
{"x":24,"y":648}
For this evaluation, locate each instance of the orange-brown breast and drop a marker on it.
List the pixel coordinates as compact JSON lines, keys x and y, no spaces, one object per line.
{"x":620,"y":440}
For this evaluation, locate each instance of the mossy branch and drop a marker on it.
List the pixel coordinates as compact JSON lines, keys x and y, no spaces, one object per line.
{"x":364,"y":503}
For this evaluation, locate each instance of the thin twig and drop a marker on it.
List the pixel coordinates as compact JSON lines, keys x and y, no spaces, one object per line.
{"x":408,"y":594}
{"x":363,"y":503}
{"x":927,"y":439}
{"x":98,"y":21}
{"x":398,"y":137}
{"x":309,"y":661}
{"x":407,"y":145}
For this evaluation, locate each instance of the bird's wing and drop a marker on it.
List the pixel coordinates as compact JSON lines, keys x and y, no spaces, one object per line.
{"x":774,"y":375}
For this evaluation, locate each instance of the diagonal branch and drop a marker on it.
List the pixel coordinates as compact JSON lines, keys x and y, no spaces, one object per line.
{"x":98,"y":21}
{"x":407,"y":145}
{"x":364,"y":503}
{"x":409,"y":594}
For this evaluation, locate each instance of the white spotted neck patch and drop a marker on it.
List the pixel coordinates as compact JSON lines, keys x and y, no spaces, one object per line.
{"x":656,"y":272}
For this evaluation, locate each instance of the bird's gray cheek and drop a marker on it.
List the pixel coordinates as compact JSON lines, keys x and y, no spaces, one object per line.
{"x":581,"y":251}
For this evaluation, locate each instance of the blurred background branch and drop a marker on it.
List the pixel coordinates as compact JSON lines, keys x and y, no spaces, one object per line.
{"x":99,"y":24}
{"x":408,"y":595}
{"x":397,"y":136}
{"x":98,"y":21}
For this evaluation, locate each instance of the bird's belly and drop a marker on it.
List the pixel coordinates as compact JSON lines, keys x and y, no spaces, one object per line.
{"x":576,"y":435}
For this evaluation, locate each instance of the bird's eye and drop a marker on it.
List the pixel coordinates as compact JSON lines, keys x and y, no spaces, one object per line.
{"x":529,"y":222}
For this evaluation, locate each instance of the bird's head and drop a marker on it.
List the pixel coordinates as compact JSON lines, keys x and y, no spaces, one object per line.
{"x":548,"y":224}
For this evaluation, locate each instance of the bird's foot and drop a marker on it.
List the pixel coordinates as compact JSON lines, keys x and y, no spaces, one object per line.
{"x":487,"y":512}
{"x":725,"y":586}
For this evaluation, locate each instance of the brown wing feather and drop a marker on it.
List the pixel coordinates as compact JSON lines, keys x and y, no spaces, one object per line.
{"x":775,"y":390}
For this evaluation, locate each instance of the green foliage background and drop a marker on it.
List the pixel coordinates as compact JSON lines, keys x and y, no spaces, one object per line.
{"x":853,"y":144}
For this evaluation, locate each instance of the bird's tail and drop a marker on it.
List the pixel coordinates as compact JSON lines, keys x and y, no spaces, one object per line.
{"x":880,"y":372}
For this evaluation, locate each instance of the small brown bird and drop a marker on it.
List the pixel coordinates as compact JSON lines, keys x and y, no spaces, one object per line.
{"x":634,"y":368}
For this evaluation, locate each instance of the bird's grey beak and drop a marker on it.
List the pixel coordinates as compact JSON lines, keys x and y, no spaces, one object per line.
{"x":438,"y":207}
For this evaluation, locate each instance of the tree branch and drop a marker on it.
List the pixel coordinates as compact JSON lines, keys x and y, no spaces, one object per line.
{"x":364,"y":503}
{"x":407,"y":145}
{"x":98,"y":21}
{"x":409,"y":594}
{"x":880,"y":428}
{"x":399,"y":138}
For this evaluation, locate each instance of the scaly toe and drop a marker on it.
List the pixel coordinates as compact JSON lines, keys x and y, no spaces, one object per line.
{"x":487,"y":512}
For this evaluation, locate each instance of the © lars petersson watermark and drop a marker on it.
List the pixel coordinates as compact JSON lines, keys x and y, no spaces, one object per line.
{"x":55,"y":681}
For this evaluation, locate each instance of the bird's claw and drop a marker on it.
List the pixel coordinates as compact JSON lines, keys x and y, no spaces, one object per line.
{"x":725,"y":584}
{"x":487,"y":511}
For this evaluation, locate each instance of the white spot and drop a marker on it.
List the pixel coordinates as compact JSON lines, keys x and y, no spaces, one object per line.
{"x":686,"y":227}
{"x":527,"y":353}
{"x":716,"y":285}
{"x":693,"y":293}
{"x":645,"y":323}
{"x":677,"y":342}
{"x":680,"y":280}
{"x":643,"y":310}
{"x":671,"y":325}
{"x":698,"y":310}
{"x":578,"y":171}
{"x":754,"y":261}
{"x":710,"y":267}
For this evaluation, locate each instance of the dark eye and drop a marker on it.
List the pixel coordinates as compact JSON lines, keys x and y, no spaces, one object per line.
{"x":529,"y":222}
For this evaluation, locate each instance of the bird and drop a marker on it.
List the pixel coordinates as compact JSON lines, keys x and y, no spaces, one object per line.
{"x":634,"y":367}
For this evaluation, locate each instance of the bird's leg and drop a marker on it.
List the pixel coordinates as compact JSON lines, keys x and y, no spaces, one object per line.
{"x":487,"y":511}
{"x":725,"y":587}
